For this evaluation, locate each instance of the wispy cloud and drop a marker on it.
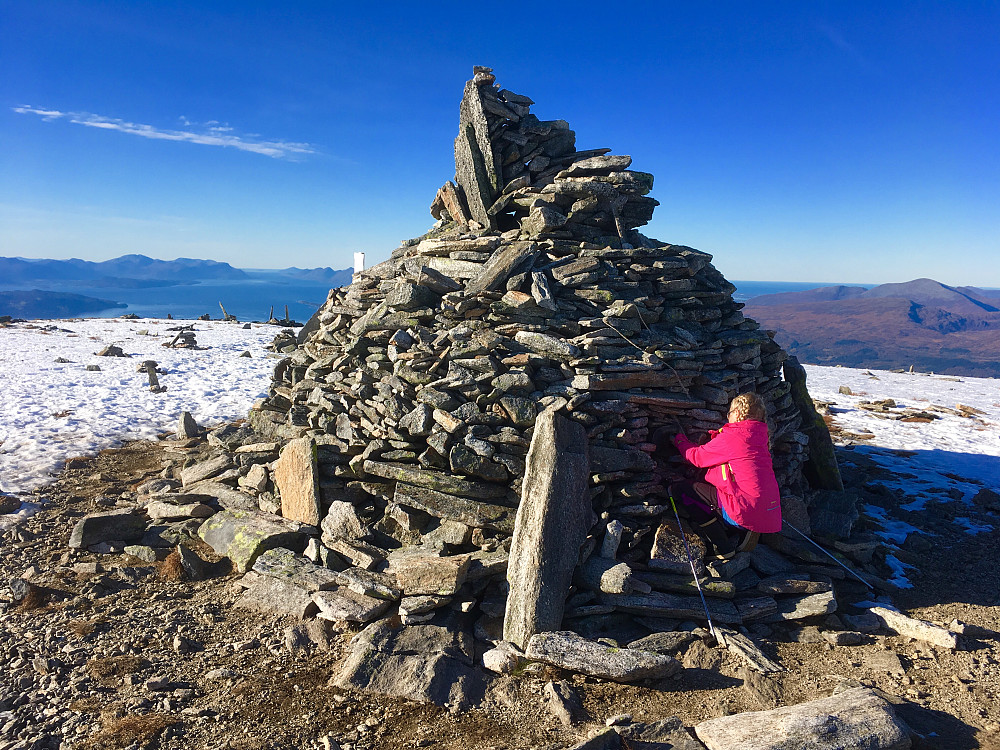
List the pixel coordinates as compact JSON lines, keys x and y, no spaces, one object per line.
{"x":838,"y":40}
{"x":213,"y":134}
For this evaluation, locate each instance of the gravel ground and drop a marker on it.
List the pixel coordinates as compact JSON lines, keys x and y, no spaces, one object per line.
{"x":107,"y":651}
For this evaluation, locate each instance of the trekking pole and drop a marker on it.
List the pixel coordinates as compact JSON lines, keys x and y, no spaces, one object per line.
{"x":697,"y":583}
{"x":828,"y":555}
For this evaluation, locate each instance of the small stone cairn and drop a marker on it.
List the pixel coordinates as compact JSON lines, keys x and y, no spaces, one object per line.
{"x":462,"y":440}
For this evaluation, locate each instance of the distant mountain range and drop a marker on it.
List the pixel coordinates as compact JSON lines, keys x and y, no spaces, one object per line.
{"x":137,"y":271}
{"x":40,"y":304}
{"x":58,"y":288}
{"x":923,"y":323}
{"x":125,"y":268}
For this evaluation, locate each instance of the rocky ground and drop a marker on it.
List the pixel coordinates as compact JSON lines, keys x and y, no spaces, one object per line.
{"x":108,"y":651}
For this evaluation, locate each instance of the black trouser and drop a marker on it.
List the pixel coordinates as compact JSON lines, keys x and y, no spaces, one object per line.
{"x":706,"y":520}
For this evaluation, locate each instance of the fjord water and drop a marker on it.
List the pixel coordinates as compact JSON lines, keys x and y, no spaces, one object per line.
{"x":247,"y":298}
{"x":251,"y":298}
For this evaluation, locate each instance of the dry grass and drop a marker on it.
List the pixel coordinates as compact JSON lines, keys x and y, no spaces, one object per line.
{"x":87,"y":705}
{"x":82,"y":628}
{"x":36,"y":599}
{"x":171,"y":568}
{"x":110,"y":670}
{"x":120,"y":732}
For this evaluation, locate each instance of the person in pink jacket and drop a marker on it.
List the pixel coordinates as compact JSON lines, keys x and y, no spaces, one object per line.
{"x":740,"y":492}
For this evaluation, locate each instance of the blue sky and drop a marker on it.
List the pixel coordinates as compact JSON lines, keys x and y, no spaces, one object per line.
{"x":797,"y":141}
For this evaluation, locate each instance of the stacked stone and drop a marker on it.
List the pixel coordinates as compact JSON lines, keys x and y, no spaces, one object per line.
{"x":514,"y":171}
{"x":421,"y":382}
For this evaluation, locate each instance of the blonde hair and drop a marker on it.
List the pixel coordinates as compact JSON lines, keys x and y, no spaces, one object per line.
{"x":748,"y":406}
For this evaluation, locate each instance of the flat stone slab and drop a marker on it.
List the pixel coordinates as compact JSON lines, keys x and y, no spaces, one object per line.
{"x":615,"y":459}
{"x":243,"y":535}
{"x":368,"y":583}
{"x":430,"y":575}
{"x":205,"y":469}
{"x":435,"y":480}
{"x":792,"y":585}
{"x":159,"y":509}
{"x":442,"y":505}
{"x":767,"y":562}
{"x":115,"y":525}
{"x":343,"y":604}
{"x":656,"y":604}
{"x":570,"y":651}
{"x":913,"y":628}
{"x":856,"y":718}
{"x":295,"y":569}
{"x":663,"y":643}
{"x":276,"y":596}
{"x":223,"y":494}
{"x":423,"y":663}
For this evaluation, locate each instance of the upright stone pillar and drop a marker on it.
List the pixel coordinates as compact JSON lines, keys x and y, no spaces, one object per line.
{"x":822,"y":469}
{"x":551,"y":525}
{"x":476,"y":169}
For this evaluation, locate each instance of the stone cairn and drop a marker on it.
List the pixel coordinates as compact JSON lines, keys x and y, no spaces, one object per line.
{"x":463,"y":439}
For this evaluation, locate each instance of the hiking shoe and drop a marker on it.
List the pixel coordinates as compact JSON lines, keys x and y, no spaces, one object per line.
{"x":746,"y":540}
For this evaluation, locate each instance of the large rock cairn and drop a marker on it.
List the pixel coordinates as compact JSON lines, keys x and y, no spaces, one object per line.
{"x":532,"y":332}
{"x":430,"y":369}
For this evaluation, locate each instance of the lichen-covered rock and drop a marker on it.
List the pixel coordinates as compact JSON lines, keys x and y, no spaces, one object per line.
{"x":243,"y":535}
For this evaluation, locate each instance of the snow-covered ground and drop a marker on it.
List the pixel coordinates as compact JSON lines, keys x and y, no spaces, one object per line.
{"x":949,"y":459}
{"x":51,"y":411}
{"x":931,"y":451}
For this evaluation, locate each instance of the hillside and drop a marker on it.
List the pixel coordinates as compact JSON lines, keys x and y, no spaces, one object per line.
{"x":41,"y":304}
{"x":21,"y":270}
{"x":921,"y":323}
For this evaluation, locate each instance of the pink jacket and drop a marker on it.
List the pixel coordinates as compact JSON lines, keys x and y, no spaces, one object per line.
{"x":739,"y":467}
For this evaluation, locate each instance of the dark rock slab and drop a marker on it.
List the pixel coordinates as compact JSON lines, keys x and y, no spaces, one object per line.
{"x":116,"y":525}
{"x":435,"y":480}
{"x":504,"y":263}
{"x":665,"y":734}
{"x":422,"y":663}
{"x":454,"y":508}
{"x":668,"y":605}
{"x":663,"y":643}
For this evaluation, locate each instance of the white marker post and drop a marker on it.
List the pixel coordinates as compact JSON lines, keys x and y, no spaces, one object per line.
{"x":359,"y":266}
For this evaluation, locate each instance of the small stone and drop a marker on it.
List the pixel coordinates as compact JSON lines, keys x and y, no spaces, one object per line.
{"x":187,"y":427}
{"x":503,"y":659}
